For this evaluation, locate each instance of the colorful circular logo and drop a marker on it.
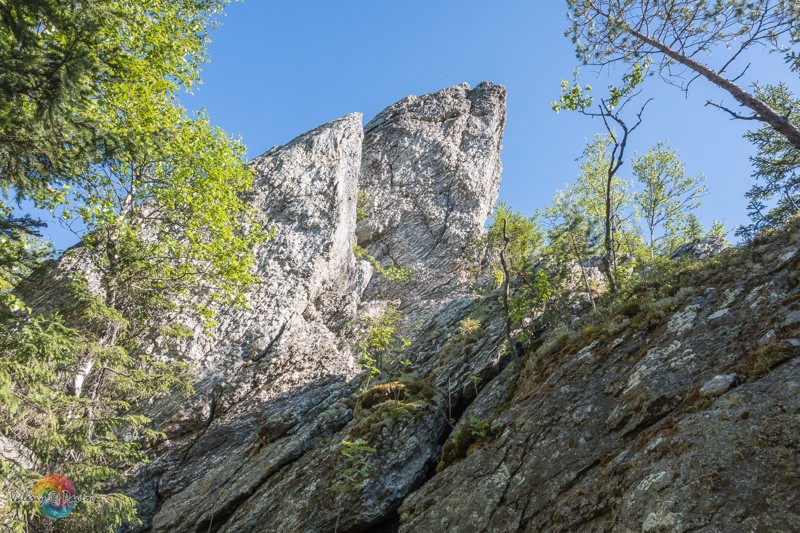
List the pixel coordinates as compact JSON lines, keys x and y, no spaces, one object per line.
{"x":55,"y":497}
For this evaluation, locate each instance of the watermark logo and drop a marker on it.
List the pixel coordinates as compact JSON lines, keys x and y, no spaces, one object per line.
{"x":55,"y":497}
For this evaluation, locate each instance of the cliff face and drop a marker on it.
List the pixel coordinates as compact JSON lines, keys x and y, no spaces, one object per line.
{"x":260,"y":446}
{"x":677,"y":412}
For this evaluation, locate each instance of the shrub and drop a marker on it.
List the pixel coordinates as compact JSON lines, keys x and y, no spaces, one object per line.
{"x":362,"y":209}
{"x":767,"y":358}
{"x":390,"y":273}
{"x":468,"y":326}
{"x":378,"y":344}
{"x":355,"y":456}
{"x":469,"y":436}
{"x":630,"y":309}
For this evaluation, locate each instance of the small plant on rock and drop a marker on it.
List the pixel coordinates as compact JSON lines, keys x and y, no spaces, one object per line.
{"x":468,"y":326}
{"x":356,"y":458}
{"x":380,"y":345}
{"x":390,"y":273}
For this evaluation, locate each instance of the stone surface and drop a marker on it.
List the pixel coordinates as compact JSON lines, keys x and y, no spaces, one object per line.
{"x":717,"y":386}
{"x":637,"y":435}
{"x":700,"y":249}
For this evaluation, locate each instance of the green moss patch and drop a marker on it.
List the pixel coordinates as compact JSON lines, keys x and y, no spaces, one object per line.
{"x":383,"y":393}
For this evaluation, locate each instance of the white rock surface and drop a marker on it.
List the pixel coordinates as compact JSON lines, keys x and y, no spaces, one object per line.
{"x":717,"y":386}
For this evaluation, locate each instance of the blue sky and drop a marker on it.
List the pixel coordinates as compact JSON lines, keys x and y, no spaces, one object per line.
{"x":280,"y":68}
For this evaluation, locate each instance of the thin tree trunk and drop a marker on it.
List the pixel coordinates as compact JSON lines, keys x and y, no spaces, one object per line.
{"x":583,"y":270}
{"x":505,"y":283}
{"x":608,"y":241}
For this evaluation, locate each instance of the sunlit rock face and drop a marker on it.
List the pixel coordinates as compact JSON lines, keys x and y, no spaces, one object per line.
{"x":259,"y":448}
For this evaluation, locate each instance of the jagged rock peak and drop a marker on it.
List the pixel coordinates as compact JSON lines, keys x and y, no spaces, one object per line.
{"x":279,"y":384}
{"x":430,"y":175}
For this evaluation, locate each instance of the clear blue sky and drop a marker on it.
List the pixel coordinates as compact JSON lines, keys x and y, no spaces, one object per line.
{"x":280,"y":68}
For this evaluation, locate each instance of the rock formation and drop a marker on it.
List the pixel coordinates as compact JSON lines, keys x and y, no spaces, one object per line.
{"x":677,"y":413}
{"x":259,"y":447}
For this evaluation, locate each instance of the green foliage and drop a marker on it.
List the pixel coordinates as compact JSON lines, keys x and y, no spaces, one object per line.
{"x":379,"y":345}
{"x":468,"y":436}
{"x":667,"y":197}
{"x":532,"y":291}
{"x":475,"y":380}
{"x":91,"y":128}
{"x":469,"y":326}
{"x":630,"y":309}
{"x":390,"y":273}
{"x":355,"y":456}
{"x":692,"y":227}
{"x":524,"y":233}
{"x":21,"y":252}
{"x":573,"y":230}
{"x":403,"y":390}
{"x":362,"y":206}
{"x":574,"y":96}
{"x":63,"y":65}
{"x":775,"y":197}
{"x":604,"y":31}
{"x":576,"y":219}
{"x":90,"y":118}
{"x":562,"y":277}
{"x":717,"y":230}
{"x":525,"y":243}
{"x":630,"y":81}
{"x":69,"y":389}
{"x":589,"y":192}
{"x":577,"y":97}
{"x":679,"y":35}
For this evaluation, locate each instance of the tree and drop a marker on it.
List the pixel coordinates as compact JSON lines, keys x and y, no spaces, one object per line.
{"x":165,"y":229}
{"x":573,"y":233}
{"x":379,"y":345}
{"x":21,"y":251}
{"x":93,"y":436}
{"x":775,"y":197}
{"x":66,"y":72}
{"x":677,"y":33}
{"x":525,"y":236}
{"x":667,"y":197}
{"x":574,"y":97}
{"x":692,"y":227}
{"x":592,"y":192}
{"x":514,"y":242}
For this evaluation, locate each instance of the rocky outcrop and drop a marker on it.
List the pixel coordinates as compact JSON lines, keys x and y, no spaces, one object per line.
{"x":676,"y":414}
{"x":430,"y":175}
{"x":260,"y":445}
{"x":700,"y":248}
{"x":676,"y":410}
